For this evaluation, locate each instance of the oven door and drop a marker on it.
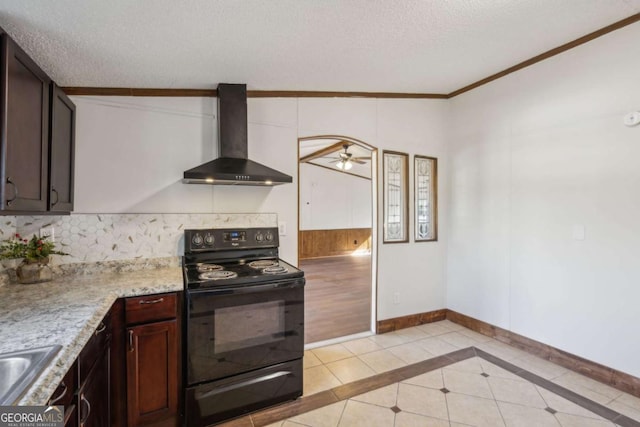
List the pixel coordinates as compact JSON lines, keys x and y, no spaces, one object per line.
{"x":230,"y":331}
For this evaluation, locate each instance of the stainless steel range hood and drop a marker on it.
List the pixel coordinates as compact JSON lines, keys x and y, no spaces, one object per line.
{"x":233,"y":167}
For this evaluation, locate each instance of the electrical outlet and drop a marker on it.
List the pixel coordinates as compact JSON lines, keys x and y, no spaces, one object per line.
{"x":282,"y":228}
{"x":48,"y":232}
{"x":396,"y":297}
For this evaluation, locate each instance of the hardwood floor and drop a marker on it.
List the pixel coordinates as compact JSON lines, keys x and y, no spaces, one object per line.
{"x":337,"y":296}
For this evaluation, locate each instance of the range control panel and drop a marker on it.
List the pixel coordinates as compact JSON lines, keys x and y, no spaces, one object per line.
{"x":215,"y":239}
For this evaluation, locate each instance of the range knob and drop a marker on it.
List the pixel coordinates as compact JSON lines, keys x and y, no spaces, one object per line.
{"x":197,"y":240}
{"x":259,"y":237}
{"x":269,"y":237}
{"x":209,"y":239}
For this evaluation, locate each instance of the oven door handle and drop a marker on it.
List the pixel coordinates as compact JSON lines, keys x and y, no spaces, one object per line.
{"x":249,"y":289}
{"x":241,"y":384}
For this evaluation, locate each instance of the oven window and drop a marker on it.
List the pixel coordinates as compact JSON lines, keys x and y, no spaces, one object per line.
{"x":250,"y":325}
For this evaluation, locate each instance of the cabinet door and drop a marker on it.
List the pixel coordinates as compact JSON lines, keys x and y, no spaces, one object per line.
{"x":93,"y":397}
{"x":24,"y":129}
{"x":152,"y":373}
{"x":62,"y":149}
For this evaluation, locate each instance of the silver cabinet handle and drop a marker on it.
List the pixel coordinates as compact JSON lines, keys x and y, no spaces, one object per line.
{"x":100,"y":329}
{"x":53,"y":190}
{"x":54,"y":400}
{"x":130,"y":340}
{"x":245,"y":383}
{"x":86,"y":402}
{"x":153,"y":301}
{"x":15,"y":191}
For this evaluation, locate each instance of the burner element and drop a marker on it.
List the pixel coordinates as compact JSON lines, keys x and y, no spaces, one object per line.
{"x":263,"y":264}
{"x":205,"y":268}
{"x":277,"y":269}
{"x":218,"y":275}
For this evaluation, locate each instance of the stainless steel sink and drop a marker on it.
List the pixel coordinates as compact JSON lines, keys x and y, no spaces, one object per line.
{"x":19,"y":369}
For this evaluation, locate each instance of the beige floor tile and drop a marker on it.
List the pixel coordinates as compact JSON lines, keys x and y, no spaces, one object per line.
{"x":522,"y":393}
{"x":410,"y":353}
{"x":567,"y":420}
{"x":502,"y":350}
{"x":431,"y":379}
{"x":475,"y":335}
{"x":292,"y":424}
{"x":460,"y":425}
{"x":382,"y":361}
{"x":436,"y":346}
{"x":523,"y":416}
{"x":433,"y":329}
{"x":348,"y":370}
{"x":423,"y":401}
{"x":563,"y":405}
{"x":384,"y":396}
{"x":625,"y":410}
{"x":587,"y":387}
{"x":467,"y":383}
{"x":327,"y":416}
{"x":389,"y":339}
{"x":361,"y":346}
{"x":317,"y":379}
{"x":496,"y":371}
{"x":278,"y":424}
{"x":629,"y":400}
{"x":472,"y":365}
{"x":358,"y":414}
{"x":541,"y":367}
{"x":332,"y":353}
{"x":453,"y":326}
{"x":458,"y":340}
{"x":473,"y":411}
{"x":407,"y":419}
{"x":413,"y":334}
{"x":310,"y":360}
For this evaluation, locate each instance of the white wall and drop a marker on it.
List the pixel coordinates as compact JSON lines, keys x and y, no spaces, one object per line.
{"x":533,"y":157}
{"x":131,"y":153}
{"x":333,"y":200}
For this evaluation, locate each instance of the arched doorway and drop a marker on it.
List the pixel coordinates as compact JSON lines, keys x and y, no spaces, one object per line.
{"x":337,"y":217}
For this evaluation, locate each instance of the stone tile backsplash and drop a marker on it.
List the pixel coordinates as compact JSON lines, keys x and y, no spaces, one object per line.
{"x":113,"y":237}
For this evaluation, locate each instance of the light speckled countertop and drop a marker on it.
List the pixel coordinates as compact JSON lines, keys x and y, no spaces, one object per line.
{"x":66,"y":311}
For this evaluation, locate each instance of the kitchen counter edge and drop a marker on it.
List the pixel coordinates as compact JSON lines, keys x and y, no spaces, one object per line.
{"x":94,"y":295}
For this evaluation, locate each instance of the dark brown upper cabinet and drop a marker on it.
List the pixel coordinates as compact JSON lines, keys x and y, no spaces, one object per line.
{"x":62,"y":149}
{"x":37,"y":128}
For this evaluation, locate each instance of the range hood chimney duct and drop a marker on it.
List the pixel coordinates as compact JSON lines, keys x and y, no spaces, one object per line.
{"x":233,"y":166}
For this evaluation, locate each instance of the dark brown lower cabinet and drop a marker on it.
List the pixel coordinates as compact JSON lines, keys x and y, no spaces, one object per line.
{"x":71,"y":417}
{"x":152,"y":374}
{"x":66,"y":396}
{"x":93,"y":396}
{"x":85,"y":389}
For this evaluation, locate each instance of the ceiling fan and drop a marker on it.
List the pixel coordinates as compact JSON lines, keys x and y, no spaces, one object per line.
{"x":345,"y":160}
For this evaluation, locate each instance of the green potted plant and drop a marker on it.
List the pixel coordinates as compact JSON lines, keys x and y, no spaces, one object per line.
{"x":35,"y":254}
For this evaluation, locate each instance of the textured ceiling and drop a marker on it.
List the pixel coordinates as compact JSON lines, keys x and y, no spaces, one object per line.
{"x":421,"y":46}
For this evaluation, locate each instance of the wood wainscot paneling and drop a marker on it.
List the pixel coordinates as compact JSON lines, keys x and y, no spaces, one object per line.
{"x":614,"y":378}
{"x":336,"y":242}
{"x":389,"y":325}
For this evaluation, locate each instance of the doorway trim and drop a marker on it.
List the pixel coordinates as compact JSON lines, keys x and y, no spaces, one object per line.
{"x":374,"y":215}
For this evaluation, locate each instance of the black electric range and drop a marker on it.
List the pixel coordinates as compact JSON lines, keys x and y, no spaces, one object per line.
{"x":244,"y":324}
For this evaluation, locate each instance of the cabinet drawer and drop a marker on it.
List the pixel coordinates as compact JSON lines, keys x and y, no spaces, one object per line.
{"x":94,"y":348}
{"x":150,"y":308}
{"x":65,"y":391}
